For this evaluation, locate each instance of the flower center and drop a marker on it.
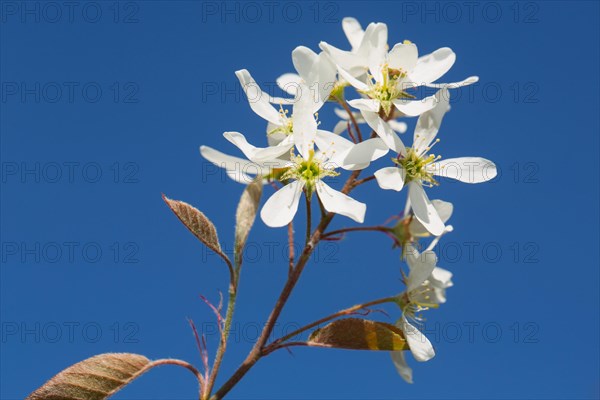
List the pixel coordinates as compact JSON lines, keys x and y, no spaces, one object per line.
{"x":416,"y":166}
{"x":418,"y":300}
{"x":308,"y":170}
{"x":389,"y":88}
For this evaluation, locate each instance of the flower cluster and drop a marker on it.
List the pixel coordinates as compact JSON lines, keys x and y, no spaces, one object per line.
{"x":299,"y":156}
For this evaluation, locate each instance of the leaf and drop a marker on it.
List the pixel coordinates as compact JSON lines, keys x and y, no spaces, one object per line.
{"x":96,"y":378}
{"x":359,"y":334}
{"x":246,"y":214}
{"x":196,"y":222}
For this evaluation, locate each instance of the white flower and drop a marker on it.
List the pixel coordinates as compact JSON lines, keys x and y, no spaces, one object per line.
{"x":416,"y":168}
{"x":314,"y":71}
{"x":391,"y":74}
{"x":307,"y":170}
{"x":364,"y":43}
{"x":426,"y":286}
{"x":279,"y":127}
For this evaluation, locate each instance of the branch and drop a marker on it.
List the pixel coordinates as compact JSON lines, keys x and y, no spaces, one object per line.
{"x":351,"y":116}
{"x":383,"y":229}
{"x":184,"y":364}
{"x":291,"y":247}
{"x":363,"y":180}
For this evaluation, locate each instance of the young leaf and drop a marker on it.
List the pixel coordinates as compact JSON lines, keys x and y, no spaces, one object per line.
{"x":359,"y":334}
{"x":96,"y":378}
{"x":196,"y":222}
{"x":245,"y":215}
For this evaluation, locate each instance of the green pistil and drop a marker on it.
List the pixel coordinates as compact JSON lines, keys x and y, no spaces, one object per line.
{"x":388,"y":91}
{"x":309,"y":171}
{"x":416,"y":167}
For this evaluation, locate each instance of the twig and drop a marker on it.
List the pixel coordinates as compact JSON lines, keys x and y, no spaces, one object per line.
{"x":328,"y":318}
{"x":351,"y":115}
{"x":383,"y":229}
{"x":291,"y":247}
{"x":364,"y":180}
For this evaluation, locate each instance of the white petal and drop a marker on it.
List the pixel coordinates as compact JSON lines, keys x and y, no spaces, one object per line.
{"x":258,"y":100}
{"x":429,"y":122}
{"x":420,"y":346}
{"x":401,"y":366}
{"x":354,"y":32}
{"x":385,"y":131}
{"x":340,"y":127}
{"x":354,"y":63}
{"x":341,"y":113}
{"x":376,"y":62}
{"x":304,"y":125}
{"x":236,"y":168}
{"x":444,"y":210}
{"x":369,"y":105}
{"x":412,"y":108}
{"x":421,"y":266}
{"x":333,"y":147}
{"x":361,"y":154}
{"x":326,"y":78}
{"x":433,"y":66}
{"x":465,"y":82}
{"x":258,"y":154}
{"x":282,"y":206}
{"x":466,"y":169}
{"x":424,"y":210}
{"x":339,"y":203}
{"x":391,"y":178}
{"x":289,"y":83}
{"x":352,"y":80}
{"x":403,"y":57}
{"x":374,"y":40}
{"x":442,"y":276}
{"x":305,"y":61}
{"x":398,"y":126}
{"x":317,"y":73}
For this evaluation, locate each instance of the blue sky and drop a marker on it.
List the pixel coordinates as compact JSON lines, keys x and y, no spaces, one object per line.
{"x":104,"y":106}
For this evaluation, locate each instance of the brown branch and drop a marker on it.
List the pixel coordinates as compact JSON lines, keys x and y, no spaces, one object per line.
{"x":351,"y":115}
{"x":291,"y":247}
{"x":383,"y":229}
{"x":256,"y":352}
{"x":363,"y":180}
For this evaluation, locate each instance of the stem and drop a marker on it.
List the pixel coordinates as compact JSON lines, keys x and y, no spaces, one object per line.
{"x":181,"y":363}
{"x":347,"y":108}
{"x":383,"y":229}
{"x":277,"y":343}
{"x":291,"y":247}
{"x":308,"y":220}
{"x":364,"y":180}
{"x":350,"y":133}
{"x":223,"y":343}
